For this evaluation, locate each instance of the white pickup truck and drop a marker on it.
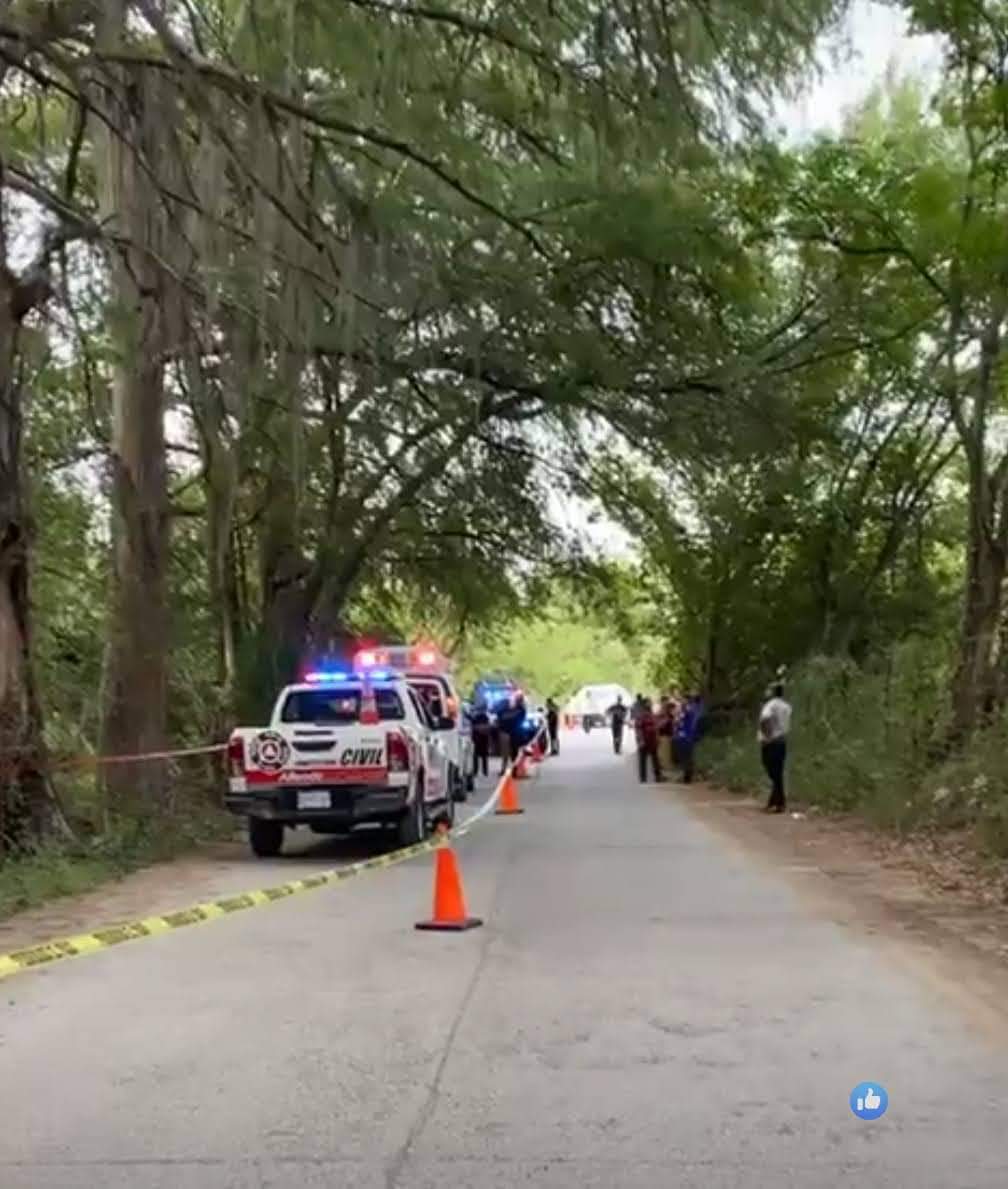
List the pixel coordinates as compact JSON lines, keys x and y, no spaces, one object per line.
{"x":340,"y":751}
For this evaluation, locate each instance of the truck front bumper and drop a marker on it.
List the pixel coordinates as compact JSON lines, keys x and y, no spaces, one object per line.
{"x":347,"y":805}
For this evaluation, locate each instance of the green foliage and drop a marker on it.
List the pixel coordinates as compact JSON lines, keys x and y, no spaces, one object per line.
{"x":432,"y":268}
{"x":863,"y":737}
{"x":555,"y":649}
{"x":864,"y":741}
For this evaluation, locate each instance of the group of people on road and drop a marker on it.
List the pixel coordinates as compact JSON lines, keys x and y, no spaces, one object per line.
{"x":507,"y":725}
{"x":666,"y":737}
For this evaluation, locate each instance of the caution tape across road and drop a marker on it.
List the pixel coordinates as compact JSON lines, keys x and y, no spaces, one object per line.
{"x":45,"y":952}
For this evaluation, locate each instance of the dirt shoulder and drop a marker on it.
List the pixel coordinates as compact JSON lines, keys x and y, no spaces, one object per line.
{"x":210,"y":871}
{"x":944,"y":909}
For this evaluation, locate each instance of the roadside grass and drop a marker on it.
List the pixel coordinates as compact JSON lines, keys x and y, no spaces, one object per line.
{"x":102,"y":853}
{"x":864,"y":742}
{"x":30,"y":880}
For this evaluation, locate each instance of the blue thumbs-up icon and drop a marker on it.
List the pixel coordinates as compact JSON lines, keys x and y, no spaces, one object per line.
{"x":869,"y":1100}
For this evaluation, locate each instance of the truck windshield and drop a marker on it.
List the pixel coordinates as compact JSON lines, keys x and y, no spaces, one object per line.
{"x":338,"y":706}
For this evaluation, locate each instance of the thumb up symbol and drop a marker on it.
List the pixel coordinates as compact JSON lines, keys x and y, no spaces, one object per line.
{"x":869,"y":1100}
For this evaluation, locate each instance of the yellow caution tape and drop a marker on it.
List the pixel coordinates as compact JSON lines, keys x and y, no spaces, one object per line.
{"x":102,"y":939}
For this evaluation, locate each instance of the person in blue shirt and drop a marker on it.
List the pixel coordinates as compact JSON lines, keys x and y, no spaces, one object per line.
{"x":687,"y":734}
{"x":511,"y":721}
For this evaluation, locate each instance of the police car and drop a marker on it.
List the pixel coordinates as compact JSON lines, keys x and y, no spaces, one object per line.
{"x":428,"y":672}
{"x":342,"y":749}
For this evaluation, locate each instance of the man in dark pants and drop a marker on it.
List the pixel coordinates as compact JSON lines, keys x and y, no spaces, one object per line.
{"x":774,"y":727}
{"x":512,"y":723}
{"x":617,"y":720}
{"x":553,"y":726}
{"x":647,"y":743}
{"x":481,"y":728}
{"x":505,"y":726}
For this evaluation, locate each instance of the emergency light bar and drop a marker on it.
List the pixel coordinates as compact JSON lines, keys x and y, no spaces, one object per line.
{"x":400,"y":657}
{"x":320,"y":677}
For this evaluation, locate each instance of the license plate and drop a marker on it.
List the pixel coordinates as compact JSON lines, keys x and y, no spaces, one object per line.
{"x":315,"y":800}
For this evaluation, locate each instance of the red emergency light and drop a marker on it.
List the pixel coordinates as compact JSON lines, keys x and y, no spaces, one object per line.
{"x":369,"y":658}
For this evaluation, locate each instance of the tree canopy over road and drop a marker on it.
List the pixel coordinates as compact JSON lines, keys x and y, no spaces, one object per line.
{"x":311,"y":311}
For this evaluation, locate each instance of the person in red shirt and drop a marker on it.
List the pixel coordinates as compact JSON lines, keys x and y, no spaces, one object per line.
{"x":647,"y":742}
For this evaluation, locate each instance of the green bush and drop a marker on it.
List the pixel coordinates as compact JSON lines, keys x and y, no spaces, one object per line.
{"x":865,"y":740}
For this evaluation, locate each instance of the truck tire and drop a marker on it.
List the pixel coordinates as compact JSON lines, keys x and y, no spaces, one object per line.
{"x":265,"y":837}
{"x":459,"y":791}
{"x":413,"y":824}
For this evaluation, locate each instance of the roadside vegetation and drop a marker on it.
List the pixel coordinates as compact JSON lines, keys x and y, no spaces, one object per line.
{"x":311,"y":312}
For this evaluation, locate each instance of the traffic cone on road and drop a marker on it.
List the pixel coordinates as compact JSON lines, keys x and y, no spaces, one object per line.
{"x":521,"y":766}
{"x":450,"y":914}
{"x":509,"y":796}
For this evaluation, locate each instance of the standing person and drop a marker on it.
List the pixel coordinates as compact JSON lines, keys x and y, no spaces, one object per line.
{"x":774,"y":728}
{"x":515,"y":727}
{"x":636,"y":710}
{"x":647,"y":743}
{"x":666,"y":731}
{"x":688,"y":734}
{"x":553,"y":726}
{"x":617,"y":720}
{"x":505,"y":713}
{"x":480,"y":719}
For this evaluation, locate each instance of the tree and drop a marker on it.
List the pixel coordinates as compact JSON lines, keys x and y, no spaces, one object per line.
{"x":922,"y":195}
{"x":362,"y":267}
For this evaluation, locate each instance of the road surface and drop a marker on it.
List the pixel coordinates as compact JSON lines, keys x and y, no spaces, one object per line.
{"x":646,"y":1006}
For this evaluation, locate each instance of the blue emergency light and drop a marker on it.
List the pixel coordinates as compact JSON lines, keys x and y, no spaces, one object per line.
{"x":324,"y":676}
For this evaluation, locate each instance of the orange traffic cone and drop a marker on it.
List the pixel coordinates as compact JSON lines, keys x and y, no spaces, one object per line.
{"x":538,"y":751}
{"x":521,"y":766}
{"x":509,"y":797}
{"x":449,"y":901}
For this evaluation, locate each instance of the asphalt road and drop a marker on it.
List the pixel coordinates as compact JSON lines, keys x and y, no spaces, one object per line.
{"x":646,"y":1007}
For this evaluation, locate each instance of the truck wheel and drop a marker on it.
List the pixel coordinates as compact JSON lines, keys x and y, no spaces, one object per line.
{"x":413,"y":824}
{"x":265,"y":837}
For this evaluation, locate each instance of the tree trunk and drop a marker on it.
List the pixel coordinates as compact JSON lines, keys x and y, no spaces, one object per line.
{"x":134,"y":715}
{"x":28,"y":807}
{"x":974,"y":682}
{"x":284,"y":567}
{"x":136,"y":678}
{"x":220,"y":487}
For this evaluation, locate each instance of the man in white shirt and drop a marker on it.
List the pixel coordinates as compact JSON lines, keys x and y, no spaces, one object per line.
{"x":774,"y":728}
